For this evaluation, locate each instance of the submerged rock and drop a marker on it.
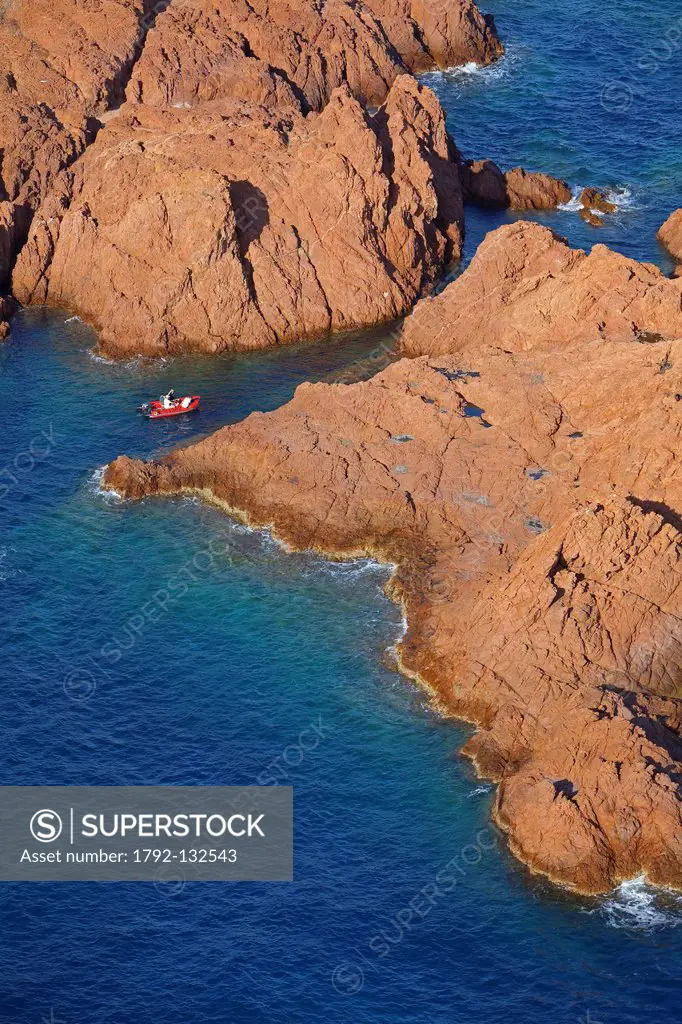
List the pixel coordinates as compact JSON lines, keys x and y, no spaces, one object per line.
{"x":546,"y":610}
{"x":526,"y":288}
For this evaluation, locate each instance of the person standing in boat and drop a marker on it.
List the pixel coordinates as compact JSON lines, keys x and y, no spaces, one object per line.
{"x":168,"y":401}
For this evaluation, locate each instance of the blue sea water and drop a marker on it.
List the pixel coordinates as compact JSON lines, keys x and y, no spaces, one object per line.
{"x":267,"y":647}
{"x":587,"y":92}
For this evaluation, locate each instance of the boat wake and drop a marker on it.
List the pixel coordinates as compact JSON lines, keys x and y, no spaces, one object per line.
{"x":136,"y":363}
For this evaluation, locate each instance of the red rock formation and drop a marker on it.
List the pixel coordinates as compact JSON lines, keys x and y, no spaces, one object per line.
{"x":535,"y":191}
{"x":595,"y":199}
{"x":594,"y":205}
{"x":591,"y":613}
{"x":63,"y":63}
{"x":6,"y":311}
{"x":595,"y":220}
{"x":531,"y":503}
{"x":36,"y":147}
{"x":525,"y":288}
{"x":228,"y":227}
{"x":272,"y":280}
{"x":484,"y":184}
{"x":273,"y":52}
{"x":196,"y":54}
{"x":7,"y":212}
{"x":445,"y":34}
{"x":83,"y":49}
{"x":670,"y":234}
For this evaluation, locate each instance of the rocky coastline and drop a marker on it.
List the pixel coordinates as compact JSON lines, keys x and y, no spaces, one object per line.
{"x":526,"y":288}
{"x":526,"y":487}
{"x":281,"y":151}
{"x":226,"y":179}
{"x":316,"y":183}
{"x":670,"y":234}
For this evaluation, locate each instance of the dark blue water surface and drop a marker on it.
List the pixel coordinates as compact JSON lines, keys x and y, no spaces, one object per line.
{"x":587,"y":92}
{"x":266,"y":645}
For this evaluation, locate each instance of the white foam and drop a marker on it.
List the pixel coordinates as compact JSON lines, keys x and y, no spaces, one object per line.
{"x":240,"y":527}
{"x":95,"y":486}
{"x":128,"y":364}
{"x":573,"y":203}
{"x":73,"y":319}
{"x":470,"y":68}
{"x":472,"y":72}
{"x":637,"y":906}
{"x":621,"y":197}
{"x":99,"y":359}
{"x":479,"y":791}
{"x":354,"y":568}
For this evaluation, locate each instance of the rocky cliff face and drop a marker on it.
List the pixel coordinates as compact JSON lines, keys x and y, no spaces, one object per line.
{"x":530,"y":502}
{"x":348,"y":196}
{"x":484,"y":184}
{"x":526,"y":288}
{"x":229,"y":226}
{"x":265,"y":51}
{"x":5,"y":313}
{"x":61,"y":68}
{"x":670,"y":234}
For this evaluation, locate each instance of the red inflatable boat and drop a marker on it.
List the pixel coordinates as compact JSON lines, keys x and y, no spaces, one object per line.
{"x":157,"y":411}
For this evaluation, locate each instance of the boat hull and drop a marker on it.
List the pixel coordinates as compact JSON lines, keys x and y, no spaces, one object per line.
{"x":156,"y":411}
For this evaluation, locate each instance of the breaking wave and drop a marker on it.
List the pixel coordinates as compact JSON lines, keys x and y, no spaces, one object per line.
{"x":471,"y":72}
{"x":637,"y":906}
{"x":95,"y":486}
{"x":621,"y":196}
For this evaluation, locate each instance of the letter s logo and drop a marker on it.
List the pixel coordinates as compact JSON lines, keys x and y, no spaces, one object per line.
{"x":46,"y":826}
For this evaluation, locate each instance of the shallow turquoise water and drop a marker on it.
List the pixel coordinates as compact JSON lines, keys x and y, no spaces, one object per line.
{"x":268,"y":645}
